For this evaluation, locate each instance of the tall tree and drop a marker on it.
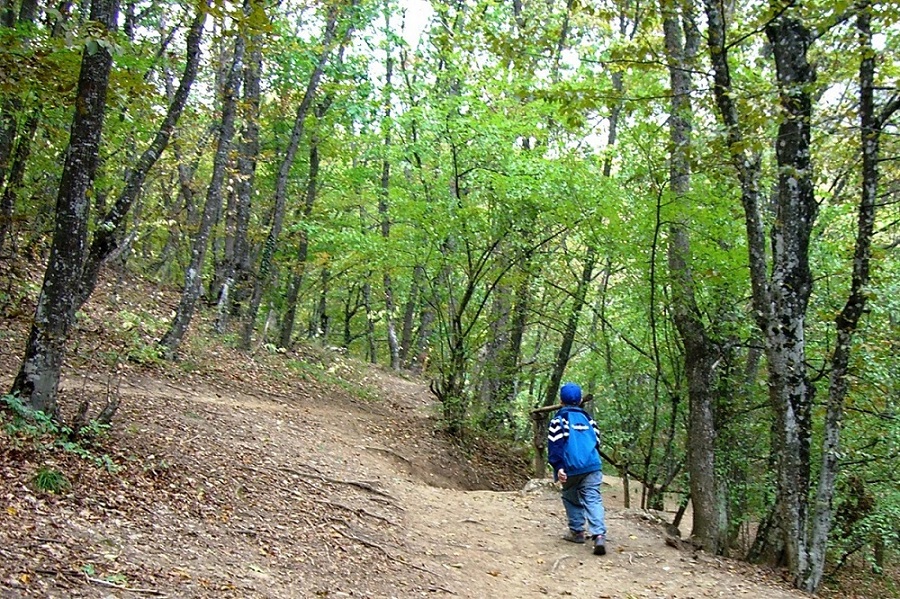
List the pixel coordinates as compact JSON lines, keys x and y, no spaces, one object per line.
{"x":682,"y":40}
{"x":781,"y":289}
{"x":111,"y":225}
{"x":37,"y":381}
{"x":872,"y":122}
{"x":193,"y":277}
{"x":284,"y":170}
{"x":235,"y":267}
{"x":384,"y":197}
{"x":15,"y":144}
{"x":789,"y":288}
{"x":300,"y":266}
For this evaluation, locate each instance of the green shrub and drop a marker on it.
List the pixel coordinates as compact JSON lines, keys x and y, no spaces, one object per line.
{"x":46,"y":434}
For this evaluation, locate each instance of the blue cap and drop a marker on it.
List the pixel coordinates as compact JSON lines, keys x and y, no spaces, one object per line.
{"x":570,"y":394}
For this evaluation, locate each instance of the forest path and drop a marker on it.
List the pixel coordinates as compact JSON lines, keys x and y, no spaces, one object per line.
{"x":509,"y":543}
{"x":245,"y":481}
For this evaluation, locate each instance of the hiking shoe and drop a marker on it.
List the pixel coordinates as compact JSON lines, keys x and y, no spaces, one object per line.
{"x":599,"y":545}
{"x":574,"y":536}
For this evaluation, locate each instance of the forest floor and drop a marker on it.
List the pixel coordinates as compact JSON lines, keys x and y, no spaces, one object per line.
{"x":280,"y":474}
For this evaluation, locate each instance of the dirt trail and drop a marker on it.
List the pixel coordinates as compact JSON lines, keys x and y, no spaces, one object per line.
{"x":508,"y":544}
{"x":232,"y":489}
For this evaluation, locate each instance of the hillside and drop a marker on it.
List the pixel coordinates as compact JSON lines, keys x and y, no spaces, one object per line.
{"x":298,"y":475}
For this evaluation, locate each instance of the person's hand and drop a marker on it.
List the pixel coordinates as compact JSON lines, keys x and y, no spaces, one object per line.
{"x":561,"y":475}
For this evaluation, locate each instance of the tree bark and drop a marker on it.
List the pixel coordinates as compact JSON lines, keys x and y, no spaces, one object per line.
{"x":409,"y":315}
{"x":293,"y":291}
{"x":510,"y":356}
{"x":37,"y":381}
{"x":846,"y":323}
{"x":791,"y":285}
{"x":384,"y":201}
{"x":194,"y":275}
{"x":15,"y":146}
{"x":568,"y":339}
{"x":322,"y":323}
{"x":700,"y":353}
{"x":281,"y":182}
{"x":780,"y":299}
{"x":16,"y":177}
{"x":237,"y":245}
{"x":371,"y":346}
{"x":493,"y":407}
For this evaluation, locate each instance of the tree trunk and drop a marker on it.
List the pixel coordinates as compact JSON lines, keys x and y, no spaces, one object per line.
{"x":37,"y":381}
{"x":568,"y":339}
{"x":700,"y":354}
{"x":780,"y":300}
{"x":281,"y":182}
{"x":237,"y":246}
{"x":14,"y":146}
{"x":16,"y":177}
{"x":846,"y":323}
{"x":383,"y":201}
{"x":322,"y":320}
{"x":194,"y":275}
{"x":293,"y":292}
{"x":493,"y":406}
{"x":748,"y":168}
{"x":423,"y":338}
{"x":510,"y":356}
{"x":791,"y":285}
{"x":409,"y":316}
{"x":371,"y":346}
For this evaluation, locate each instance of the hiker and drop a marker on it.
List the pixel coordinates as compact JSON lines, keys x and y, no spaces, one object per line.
{"x":574,"y":453}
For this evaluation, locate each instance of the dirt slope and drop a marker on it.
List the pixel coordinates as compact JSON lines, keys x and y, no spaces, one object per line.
{"x":231,"y":488}
{"x":274,"y":475}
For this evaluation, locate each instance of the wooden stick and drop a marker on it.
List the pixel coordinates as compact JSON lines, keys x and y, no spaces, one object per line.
{"x":554,"y":407}
{"x":557,"y":562}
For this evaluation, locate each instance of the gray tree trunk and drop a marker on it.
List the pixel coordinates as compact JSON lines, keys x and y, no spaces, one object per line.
{"x":508,"y":376}
{"x":791,"y":285}
{"x":384,"y":204}
{"x":15,"y":146}
{"x":319,"y":324}
{"x":780,"y":299}
{"x":371,"y":346}
{"x":293,"y":291}
{"x":871,"y":125}
{"x":194,"y":275}
{"x":281,"y":182}
{"x":37,"y":381}
{"x":491,"y":360}
{"x":700,"y":354}
{"x":16,"y":177}
{"x":568,"y":339}
{"x":237,"y":246}
{"x":409,"y":316}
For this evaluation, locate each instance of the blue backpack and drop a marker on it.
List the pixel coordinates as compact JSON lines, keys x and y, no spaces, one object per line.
{"x":581,"y":454}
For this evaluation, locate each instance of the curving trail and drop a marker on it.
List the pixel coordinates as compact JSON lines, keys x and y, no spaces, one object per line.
{"x":241,"y":481}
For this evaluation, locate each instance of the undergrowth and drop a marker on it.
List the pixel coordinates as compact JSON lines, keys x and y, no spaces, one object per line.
{"x":26,"y":428}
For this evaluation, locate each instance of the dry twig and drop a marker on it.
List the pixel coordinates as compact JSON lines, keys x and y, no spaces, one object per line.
{"x":557,"y":562}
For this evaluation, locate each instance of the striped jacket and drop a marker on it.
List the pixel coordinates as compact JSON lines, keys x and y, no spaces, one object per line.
{"x":573,"y":442}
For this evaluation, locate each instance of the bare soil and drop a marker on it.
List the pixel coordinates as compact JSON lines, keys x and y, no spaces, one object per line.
{"x":281,"y":475}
